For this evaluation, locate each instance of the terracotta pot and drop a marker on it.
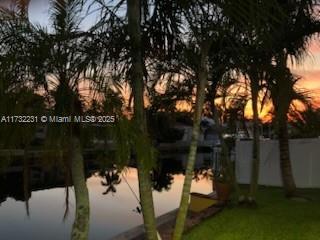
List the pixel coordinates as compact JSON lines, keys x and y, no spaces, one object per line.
{"x":223,"y":191}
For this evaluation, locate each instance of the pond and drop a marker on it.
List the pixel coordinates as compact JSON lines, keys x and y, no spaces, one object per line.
{"x":110,"y":215}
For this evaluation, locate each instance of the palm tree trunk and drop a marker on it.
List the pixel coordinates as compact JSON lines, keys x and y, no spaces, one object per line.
{"x":80,"y":228}
{"x":285,"y":161}
{"x":282,"y":98}
{"x":200,"y":97}
{"x":256,"y":141}
{"x":212,"y":93}
{"x":145,"y":189}
{"x":146,"y":201}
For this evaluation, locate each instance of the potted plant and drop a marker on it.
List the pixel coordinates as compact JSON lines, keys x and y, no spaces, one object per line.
{"x":223,"y":186}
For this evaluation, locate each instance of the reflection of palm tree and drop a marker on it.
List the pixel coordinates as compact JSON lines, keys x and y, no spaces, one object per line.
{"x":112,"y":178}
{"x":161,"y":180}
{"x":26,"y":181}
{"x":162,"y":176}
{"x":202,"y":173}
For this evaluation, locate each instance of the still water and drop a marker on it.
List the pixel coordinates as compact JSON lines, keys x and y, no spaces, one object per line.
{"x":111,"y":213}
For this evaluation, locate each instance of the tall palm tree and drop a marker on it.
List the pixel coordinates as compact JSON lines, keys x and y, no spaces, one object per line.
{"x":57,"y":63}
{"x":256,"y":39}
{"x":16,"y":91}
{"x":147,"y":37}
{"x":202,"y":18}
{"x":66,"y":65}
{"x":134,"y":23}
{"x":298,"y":26}
{"x":283,"y":84}
{"x":253,"y":68}
{"x":200,"y":97}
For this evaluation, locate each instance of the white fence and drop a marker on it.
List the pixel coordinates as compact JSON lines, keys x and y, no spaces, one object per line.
{"x":305,"y":159}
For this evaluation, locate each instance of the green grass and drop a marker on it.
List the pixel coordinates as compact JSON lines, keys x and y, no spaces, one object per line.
{"x":275,"y":218}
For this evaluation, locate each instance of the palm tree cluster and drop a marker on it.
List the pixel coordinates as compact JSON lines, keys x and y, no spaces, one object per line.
{"x":192,"y":49}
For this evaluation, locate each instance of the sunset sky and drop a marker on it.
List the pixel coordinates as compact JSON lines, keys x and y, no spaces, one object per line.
{"x":309,"y":69}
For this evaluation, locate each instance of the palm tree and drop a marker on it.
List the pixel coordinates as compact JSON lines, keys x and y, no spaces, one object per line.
{"x":134,"y":22}
{"x":253,"y":43}
{"x":16,"y":91}
{"x":57,"y":63}
{"x":298,"y":26}
{"x":147,"y":33}
{"x":255,"y":87}
{"x":283,"y":84}
{"x":203,"y":19}
{"x":66,"y":65}
{"x":200,"y":97}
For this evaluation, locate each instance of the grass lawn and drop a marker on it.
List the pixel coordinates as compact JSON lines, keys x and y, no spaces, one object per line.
{"x":275,"y":218}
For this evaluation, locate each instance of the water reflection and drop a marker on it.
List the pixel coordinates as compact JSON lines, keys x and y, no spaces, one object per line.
{"x":111,"y":179}
{"x":112,"y":195}
{"x":162,"y":177}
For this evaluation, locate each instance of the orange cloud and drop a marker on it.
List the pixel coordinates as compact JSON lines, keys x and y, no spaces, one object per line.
{"x":311,"y":82}
{"x":314,"y":47}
